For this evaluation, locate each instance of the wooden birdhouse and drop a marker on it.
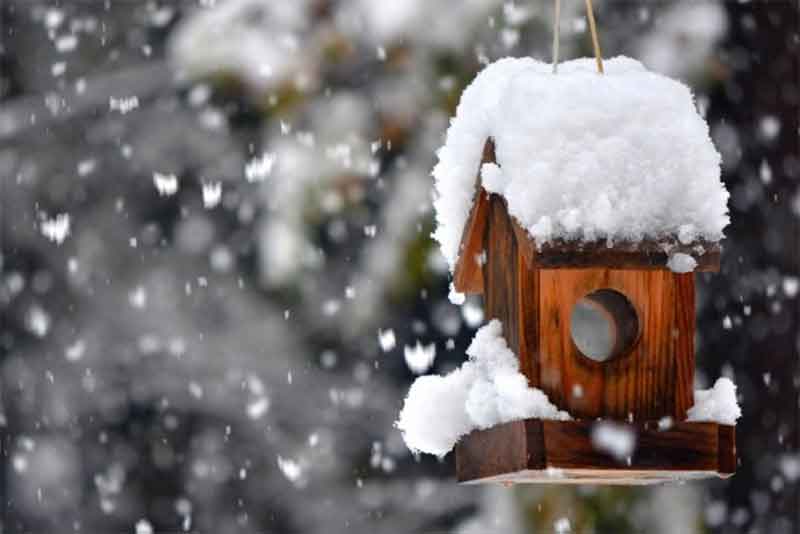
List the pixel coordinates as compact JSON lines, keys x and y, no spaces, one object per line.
{"x":595,"y":199}
{"x":607,"y":332}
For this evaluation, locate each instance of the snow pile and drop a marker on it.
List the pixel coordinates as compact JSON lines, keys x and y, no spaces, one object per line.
{"x":716,"y":405}
{"x":486,"y":390}
{"x":582,"y":156}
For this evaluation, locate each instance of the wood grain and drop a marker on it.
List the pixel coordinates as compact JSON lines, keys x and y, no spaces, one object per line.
{"x":727,"y":449}
{"x":468,"y":273}
{"x":511,"y":293}
{"x":685,"y":449}
{"x":654,"y":379}
{"x":647,"y":254}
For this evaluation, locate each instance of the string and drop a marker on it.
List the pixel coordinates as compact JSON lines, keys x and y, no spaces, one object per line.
{"x":556,"y":37}
{"x":595,"y":41}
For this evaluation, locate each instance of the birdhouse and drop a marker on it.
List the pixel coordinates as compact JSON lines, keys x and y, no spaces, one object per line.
{"x":579,"y":206}
{"x":607,"y":332}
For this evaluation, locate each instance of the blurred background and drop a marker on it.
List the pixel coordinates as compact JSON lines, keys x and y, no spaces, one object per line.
{"x":218,"y":279}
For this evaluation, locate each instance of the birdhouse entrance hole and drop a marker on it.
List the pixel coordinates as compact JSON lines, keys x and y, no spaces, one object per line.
{"x":604,"y":325}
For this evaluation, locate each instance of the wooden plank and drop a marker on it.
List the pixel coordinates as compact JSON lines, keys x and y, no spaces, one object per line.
{"x":604,"y":477}
{"x":683,"y":309}
{"x":527,"y":290}
{"x":654,"y":379}
{"x":562,"y":451}
{"x":727,"y":449}
{"x":648,"y":254}
{"x":502,"y":448}
{"x":468,"y":273}
{"x":684,"y":446}
{"x":500,"y":273}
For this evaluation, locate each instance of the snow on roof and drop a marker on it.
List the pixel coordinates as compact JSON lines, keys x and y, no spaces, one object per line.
{"x":486,"y":390}
{"x":582,"y":156}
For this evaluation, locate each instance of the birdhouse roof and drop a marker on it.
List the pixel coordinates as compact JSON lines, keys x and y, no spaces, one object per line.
{"x":623,"y":159}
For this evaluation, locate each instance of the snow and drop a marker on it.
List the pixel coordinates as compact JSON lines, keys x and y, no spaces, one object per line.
{"x":166,"y":184}
{"x":616,"y":439}
{"x":387,"y":339}
{"x":257,"y":408}
{"x":683,"y":38}
{"x":456,"y":297}
{"x":681,"y":263}
{"x":75,"y":351}
{"x":143,"y":526}
{"x":419,"y":358}
{"x":291,"y":469}
{"x":717,"y":405}
{"x":212,"y":193}
{"x":486,"y":390}
{"x":66,"y":43}
{"x":257,"y":41}
{"x":791,"y":286}
{"x":123,"y":104}
{"x":39,"y":321}
{"x":259,"y":168}
{"x":562,"y":525}
{"x":56,"y":229}
{"x":582,"y":156}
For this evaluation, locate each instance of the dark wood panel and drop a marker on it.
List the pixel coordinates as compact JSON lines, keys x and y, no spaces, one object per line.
{"x":528,"y":318}
{"x":501,"y":294}
{"x":727,"y":449}
{"x":536,"y":450}
{"x":648,"y":254}
{"x":468,"y":273}
{"x":499,"y":449}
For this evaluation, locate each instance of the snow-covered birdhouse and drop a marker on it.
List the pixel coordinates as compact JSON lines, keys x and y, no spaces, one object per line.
{"x":579,"y":206}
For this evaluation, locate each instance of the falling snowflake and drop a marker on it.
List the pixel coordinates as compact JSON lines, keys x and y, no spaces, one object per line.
{"x":75,"y":351}
{"x":259,"y":168}
{"x":38,"y":321}
{"x":257,"y":408}
{"x":143,"y":526}
{"x":212,"y":194}
{"x":123,"y":104}
{"x":562,"y":525}
{"x":386,"y":339}
{"x":292,"y":470}
{"x":420,"y":358}
{"x":57,"y":229}
{"x":166,"y":184}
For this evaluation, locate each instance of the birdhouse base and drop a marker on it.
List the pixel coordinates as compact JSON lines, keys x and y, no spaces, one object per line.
{"x":538,"y":451}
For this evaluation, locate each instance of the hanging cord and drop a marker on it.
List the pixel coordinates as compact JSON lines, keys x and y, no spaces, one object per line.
{"x":556,"y":37}
{"x":595,"y":41}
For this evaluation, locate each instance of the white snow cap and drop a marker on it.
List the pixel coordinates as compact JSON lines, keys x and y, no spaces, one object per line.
{"x":486,"y":390}
{"x":582,"y":156}
{"x":717,"y":405}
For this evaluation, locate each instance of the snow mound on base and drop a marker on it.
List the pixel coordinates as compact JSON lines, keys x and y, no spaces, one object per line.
{"x":486,"y":390}
{"x":582,"y":156}
{"x":716,"y":405}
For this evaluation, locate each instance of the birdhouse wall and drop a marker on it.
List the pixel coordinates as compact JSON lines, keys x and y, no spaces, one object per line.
{"x":652,"y":380}
{"x":511,"y":288}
